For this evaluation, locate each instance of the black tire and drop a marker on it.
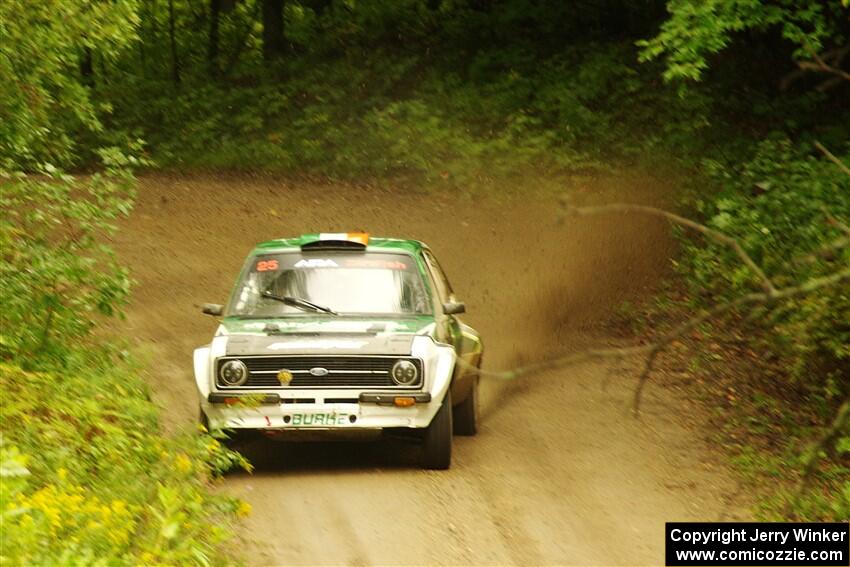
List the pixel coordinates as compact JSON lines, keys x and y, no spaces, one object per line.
{"x":466,"y":413}
{"x":202,"y":419}
{"x":437,"y":450}
{"x":235,"y":439}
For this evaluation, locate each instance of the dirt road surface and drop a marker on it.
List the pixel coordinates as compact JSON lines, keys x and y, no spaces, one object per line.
{"x":560,"y":472}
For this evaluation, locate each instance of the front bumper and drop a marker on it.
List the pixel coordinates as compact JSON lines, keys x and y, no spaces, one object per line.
{"x":375,"y":410}
{"x":327,"y":409}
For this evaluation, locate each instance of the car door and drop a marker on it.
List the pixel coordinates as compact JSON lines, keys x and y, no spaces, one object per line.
{"x":450,"y":329}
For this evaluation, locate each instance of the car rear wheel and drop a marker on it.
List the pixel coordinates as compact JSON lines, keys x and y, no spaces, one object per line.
{"x":466,"y":412}
{"x":437,"y":451}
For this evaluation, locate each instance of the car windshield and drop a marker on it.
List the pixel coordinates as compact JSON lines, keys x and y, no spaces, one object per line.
{"x":362,"y":283}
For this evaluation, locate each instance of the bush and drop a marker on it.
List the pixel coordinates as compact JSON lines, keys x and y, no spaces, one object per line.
{"x":57,"y":274}
{"x":779,"y":205}
{"x":46,"y":106}
{"x":385,"y":115}
{"x":89,"y":479}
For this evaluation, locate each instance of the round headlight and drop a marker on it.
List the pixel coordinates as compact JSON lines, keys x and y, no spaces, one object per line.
{"x":233,"y":373}
{"x":404,"y":373}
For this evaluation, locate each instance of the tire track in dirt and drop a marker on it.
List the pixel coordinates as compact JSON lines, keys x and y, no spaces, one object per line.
{"x":560,"y":474}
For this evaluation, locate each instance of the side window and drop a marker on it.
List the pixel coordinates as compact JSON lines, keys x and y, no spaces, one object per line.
{"x":444,"y":289}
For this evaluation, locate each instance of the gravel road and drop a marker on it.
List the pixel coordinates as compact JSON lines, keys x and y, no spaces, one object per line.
{"x":560,"y":472}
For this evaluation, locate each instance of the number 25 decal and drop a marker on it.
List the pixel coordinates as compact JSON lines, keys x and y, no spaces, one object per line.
{"x":266,"y":265}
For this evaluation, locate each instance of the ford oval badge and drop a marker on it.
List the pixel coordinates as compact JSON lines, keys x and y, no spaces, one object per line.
{"x":318,"y":371}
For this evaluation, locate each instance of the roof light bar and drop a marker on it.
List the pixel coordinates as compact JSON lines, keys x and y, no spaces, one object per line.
{"x":358,"y":237}
{"x":335,"y":239}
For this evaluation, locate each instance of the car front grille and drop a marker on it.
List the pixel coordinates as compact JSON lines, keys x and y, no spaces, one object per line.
{"x":342,"y":371}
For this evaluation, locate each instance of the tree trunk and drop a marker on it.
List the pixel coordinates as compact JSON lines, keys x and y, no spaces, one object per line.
{"x":233,"y":59}
{"x":273,"y":42}
{"x":87,"y":68}
{"x":212,"y":51}
{"x":175,"y":64}
{"x":320,"y":6}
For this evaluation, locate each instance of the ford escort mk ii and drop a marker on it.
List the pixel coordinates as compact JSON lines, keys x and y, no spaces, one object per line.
{"x":338,"y":332}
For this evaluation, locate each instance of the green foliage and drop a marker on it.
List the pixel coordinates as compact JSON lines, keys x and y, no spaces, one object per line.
{"x":830,"y":502}
{"x":456,"y":93}
{"x":88,"y":478}
{"x":778,"y":205}
{"x":697,"y":29}
{"x":44,"y":102}
{"x":57,"y":273}
{"x":381,"y":117}
{"x":776,"y":198}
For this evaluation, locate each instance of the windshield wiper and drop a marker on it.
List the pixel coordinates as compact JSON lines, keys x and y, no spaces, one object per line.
{"x":299,"y":303}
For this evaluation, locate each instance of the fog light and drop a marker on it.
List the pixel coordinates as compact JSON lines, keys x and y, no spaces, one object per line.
{"x":404,"y":402}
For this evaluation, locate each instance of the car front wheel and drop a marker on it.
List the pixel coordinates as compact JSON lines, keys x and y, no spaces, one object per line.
{"x":438,"y":438}
{"x":466,"y":412}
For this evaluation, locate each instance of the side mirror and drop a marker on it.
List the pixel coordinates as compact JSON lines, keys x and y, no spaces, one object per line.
{"x":454,"y":308}
{"x":212,"y":309}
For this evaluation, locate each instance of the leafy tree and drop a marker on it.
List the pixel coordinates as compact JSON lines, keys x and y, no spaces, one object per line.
{"x":45,"y":103}
{"x":273,"y":38}
{"x":57,"y":273}
{"x":698,"y":29}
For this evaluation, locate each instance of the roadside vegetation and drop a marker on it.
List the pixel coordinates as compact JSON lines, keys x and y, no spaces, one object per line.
{"x":746,"y":100}
{"x":787,"y":363}
{"x":86,"y":475}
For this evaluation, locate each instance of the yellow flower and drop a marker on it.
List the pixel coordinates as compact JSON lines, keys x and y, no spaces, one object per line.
{"x":54,"y":516}
{"x":119,"y":507}
{"x":118,"y":536}
{"x":184,"y":465}
{"x":244,"y":509}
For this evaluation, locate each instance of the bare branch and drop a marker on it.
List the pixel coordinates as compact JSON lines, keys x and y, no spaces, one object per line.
{"x":715,"y":235}
{"x":821,"y":65}
{"x":576,"y":358}
{"x":826,"y":251}
{"x":832,"y":158}
{"x":644,"y":376}
{"x":652,"y":350}
{"x":830,"y":62}
{"x":830,"y":83}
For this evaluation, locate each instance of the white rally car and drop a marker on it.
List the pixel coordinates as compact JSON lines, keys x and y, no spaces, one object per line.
{"x":339,"y":332}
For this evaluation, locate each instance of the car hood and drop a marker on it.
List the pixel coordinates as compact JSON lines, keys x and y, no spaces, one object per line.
{"x":323,"y":336}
